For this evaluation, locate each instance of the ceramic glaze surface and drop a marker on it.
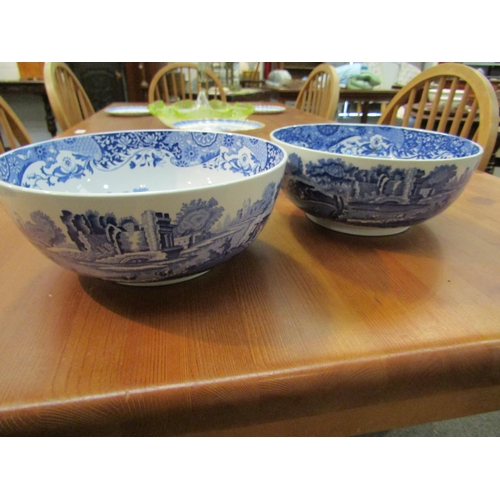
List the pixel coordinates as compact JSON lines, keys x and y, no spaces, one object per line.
{"x":368,"y":177}
{"x":142,"y":207}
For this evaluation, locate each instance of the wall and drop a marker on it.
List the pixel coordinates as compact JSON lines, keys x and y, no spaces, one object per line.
{"x":9,"y":71}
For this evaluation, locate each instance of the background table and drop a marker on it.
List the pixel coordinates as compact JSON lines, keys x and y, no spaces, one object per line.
{"x":306,"y":332}
{"x":290,"y":91}
{"x":366,"y":97}
{"x":248,"y":95}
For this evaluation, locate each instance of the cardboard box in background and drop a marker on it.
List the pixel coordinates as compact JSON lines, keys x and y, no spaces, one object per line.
{"x":31,"y":70}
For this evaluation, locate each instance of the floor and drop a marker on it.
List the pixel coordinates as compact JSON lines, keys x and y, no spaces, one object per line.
{"x":31,"y":112}
{"x":483,"y":425}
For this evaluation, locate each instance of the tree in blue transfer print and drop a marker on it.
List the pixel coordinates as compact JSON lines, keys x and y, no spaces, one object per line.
{"x":294,"y":164}
{"x":198,"y":217}
{"x":441,"y":175}
{"x":328,"y":172}
{"x":42,"y":231}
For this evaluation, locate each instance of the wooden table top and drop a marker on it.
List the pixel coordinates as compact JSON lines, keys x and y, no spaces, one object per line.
{"x":306,"y":332}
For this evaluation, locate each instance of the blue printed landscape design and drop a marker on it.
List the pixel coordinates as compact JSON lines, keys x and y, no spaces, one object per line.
{"x":158,"y":244}
{"x":379,"y":197}
{"x":384,"y":195}
{"x":158,"y":247}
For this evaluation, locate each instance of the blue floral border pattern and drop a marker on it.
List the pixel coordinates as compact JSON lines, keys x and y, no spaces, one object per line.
{"x":378,"y":141}
{"x":42,"y":165}
{"x":378,"y":197}
{"x":158,"y":247}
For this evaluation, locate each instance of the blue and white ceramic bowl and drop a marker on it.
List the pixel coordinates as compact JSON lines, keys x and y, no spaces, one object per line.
{"x":142,"y":207}
{"x":373,"y":179}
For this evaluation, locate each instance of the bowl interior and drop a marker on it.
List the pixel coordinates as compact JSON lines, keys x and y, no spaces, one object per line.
{"x":377,"y":141}
{"x":139,"y":161}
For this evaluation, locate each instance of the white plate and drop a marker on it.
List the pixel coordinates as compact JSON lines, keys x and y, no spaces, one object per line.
{"x":218,"y":125}
{"x":128,"y":111}
{"x":268,"y":109}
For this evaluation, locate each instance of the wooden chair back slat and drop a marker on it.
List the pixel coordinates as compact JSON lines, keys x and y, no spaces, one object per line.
{"x":11,"y":127}
{"x":434,"y":109}
{"x":320,"y":93}
{"x":175,"y":82}
{"x":421,"y":105}
{"x":407,"y":114}
{"x":11,"y":139}
{"x":67,"y":97}
{"x":445,"y":113}
{"x":473,"y":116}
{"x":460,"y":112}
{"x":466,"y":130}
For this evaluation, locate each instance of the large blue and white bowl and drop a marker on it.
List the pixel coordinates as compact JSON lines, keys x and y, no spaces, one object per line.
{"x":373,"y":179}
{"x":142,"y":207}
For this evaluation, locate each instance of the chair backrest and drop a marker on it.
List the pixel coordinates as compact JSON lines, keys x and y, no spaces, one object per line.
{"x":320,"y":93}
{"x":12,"y":131}
{"x":67,"y":97}
{"x":179,"y":81}
{"x":452,"y":98}
{"x":251,"y":78}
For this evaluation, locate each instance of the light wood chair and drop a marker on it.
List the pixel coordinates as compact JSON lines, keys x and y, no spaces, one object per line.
{"x":320,"y":93}
{"x":177,"y":81}
{"x":67,"y":97}
{"x":12,"y":131}
{"x":251,"y":78}
{"x":470,"y":112}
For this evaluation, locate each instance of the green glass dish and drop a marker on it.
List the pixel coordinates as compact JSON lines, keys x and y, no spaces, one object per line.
{"x":190,"y":110}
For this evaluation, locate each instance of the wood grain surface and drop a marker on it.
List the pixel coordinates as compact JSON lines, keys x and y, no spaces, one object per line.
{"x":306,"y":332}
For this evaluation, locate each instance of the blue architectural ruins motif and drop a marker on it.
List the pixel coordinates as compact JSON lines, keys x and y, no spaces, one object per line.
{"x":336,"y":189}
{"x":161,"y":243}
{"x":379,"y":197}
{"x":158,"y":247}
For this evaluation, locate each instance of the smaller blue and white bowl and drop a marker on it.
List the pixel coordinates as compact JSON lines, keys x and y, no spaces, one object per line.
{"x":373,"y":180}
{"x":142,"y":207}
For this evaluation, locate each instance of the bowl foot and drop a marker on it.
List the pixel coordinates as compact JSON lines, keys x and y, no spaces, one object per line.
{"x":162,"y":283}
{"x":357,"y":230}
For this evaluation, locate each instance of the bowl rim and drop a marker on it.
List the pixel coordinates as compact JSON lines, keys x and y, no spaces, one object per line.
{"x":142,"y":194}
{"x":397,"y":160}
